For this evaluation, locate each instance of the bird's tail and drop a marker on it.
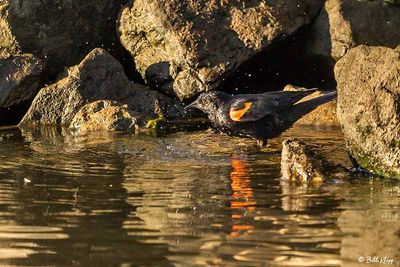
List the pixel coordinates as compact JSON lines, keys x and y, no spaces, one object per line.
{"x":305,"y":107}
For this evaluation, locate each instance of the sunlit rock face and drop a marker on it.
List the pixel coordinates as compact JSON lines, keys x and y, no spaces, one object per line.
{"x":368,"y":107}
{"x":60,"y":31}
{"x":98,"y":77}
{"x":19,"y":79}
{"x":105,"y":115}
{"x":187,"y":47}
{"x":344,"y":24}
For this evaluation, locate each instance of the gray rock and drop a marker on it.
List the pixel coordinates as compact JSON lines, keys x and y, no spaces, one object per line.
{"x":60,"y":31}
{"x":344,"y":24}
{"x":19,"y":79}
{"x":368,"y":107}
{"x":105,"y":115}
{"x":187,"y":47}
{"x":98,"y":77}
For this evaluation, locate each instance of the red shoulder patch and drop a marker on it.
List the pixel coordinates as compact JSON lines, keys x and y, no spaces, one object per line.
{"x":237,"y":114}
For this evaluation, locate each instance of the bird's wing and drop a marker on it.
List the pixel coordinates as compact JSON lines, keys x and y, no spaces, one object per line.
{"x":245,"y":108}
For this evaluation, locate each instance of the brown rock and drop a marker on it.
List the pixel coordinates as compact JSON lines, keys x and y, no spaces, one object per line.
{"x":305,"y":163}
{"x":19,"y":79}
{"x":98,"y":77}
{"x":324,"y":115}
{"x":344,"y":24}
{"x":105,"y":115}
{"x":187,"y":47}
{"x":300,"y":163}
{"x":62,"y":32}
{"x":368,"y":107}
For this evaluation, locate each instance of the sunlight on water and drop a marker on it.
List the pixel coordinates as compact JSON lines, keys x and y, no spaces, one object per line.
{"x":195,"y":199}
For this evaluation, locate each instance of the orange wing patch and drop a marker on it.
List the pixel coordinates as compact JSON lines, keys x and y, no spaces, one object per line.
{"x":237,"y":114}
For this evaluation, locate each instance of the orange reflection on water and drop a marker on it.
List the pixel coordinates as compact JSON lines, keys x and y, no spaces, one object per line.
{"x":243,"y":202}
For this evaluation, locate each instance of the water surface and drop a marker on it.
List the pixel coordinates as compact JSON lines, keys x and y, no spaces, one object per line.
{"x":189,"y":199}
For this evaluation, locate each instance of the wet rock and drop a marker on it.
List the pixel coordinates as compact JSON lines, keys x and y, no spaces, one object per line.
{"x":105,"y":115}
{"x":19,"y":79}
{"x":304,"y":163}
{"x":344,"y":24}
{"x":62,"y":32}
{"x":98,"y":77}
{"x":188,"y":47}
{"x":324,"y":115}
{"x":368,"y":107}
{"x":299,"y":163}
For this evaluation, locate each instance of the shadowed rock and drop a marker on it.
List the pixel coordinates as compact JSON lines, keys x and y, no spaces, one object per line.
{"x":368,"y":107}
{"x":344,"y":24}
{"x":187,"y":47}
{"x":62,"y":32}
{"x":98,"y":77}
{"x":19,"y":79}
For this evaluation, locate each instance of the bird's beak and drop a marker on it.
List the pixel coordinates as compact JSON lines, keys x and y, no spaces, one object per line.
{"x":195,"y":104}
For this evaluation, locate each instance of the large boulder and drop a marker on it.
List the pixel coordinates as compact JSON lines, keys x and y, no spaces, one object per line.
{"x":19,"y":79}
{"x":61,"y":31}
{"x":369,"y":107}
{"x":344,"y":24}
{"x":186,"y":47}
{"x":98,"y":77}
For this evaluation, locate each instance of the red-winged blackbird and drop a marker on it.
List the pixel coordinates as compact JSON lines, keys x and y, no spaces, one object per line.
{"x":257,"y":116}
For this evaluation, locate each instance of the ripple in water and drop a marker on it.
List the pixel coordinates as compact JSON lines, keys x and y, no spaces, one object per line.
{"x":186,"y":200}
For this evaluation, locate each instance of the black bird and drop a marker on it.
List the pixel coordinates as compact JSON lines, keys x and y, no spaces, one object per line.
{"x":257,"y":116}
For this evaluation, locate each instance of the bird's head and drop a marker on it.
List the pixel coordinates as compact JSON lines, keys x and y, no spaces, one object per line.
{"x":210,"y":102}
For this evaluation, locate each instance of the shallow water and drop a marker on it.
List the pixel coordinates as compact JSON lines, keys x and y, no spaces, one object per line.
{"x":189,"y":199}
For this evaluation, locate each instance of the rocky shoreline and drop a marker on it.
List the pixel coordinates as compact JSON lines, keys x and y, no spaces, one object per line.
{"x":116,"y":65}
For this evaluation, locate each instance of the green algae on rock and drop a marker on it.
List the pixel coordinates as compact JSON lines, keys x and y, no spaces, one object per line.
{"x":368,"y":107}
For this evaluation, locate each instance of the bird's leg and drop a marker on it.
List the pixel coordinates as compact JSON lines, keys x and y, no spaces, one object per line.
{"x":261,"y":143}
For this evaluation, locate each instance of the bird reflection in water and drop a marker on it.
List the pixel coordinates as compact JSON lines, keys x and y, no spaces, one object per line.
{"x":243,"y":202}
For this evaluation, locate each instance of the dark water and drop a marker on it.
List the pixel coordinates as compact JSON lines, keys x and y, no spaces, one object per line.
{"x":195,"y":199}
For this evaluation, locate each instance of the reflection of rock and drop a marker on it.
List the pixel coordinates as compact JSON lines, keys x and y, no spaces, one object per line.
{"x":61,"y":32}
{"x":370,"y":226}
{"x":188,"y":47}
{"x":324,"y":115}
{"x":98,"y":77}
{"x":368,"y":107}
{"x":19,"y":79}
{"x":344,"y":24}
{"x":105,"y":115}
